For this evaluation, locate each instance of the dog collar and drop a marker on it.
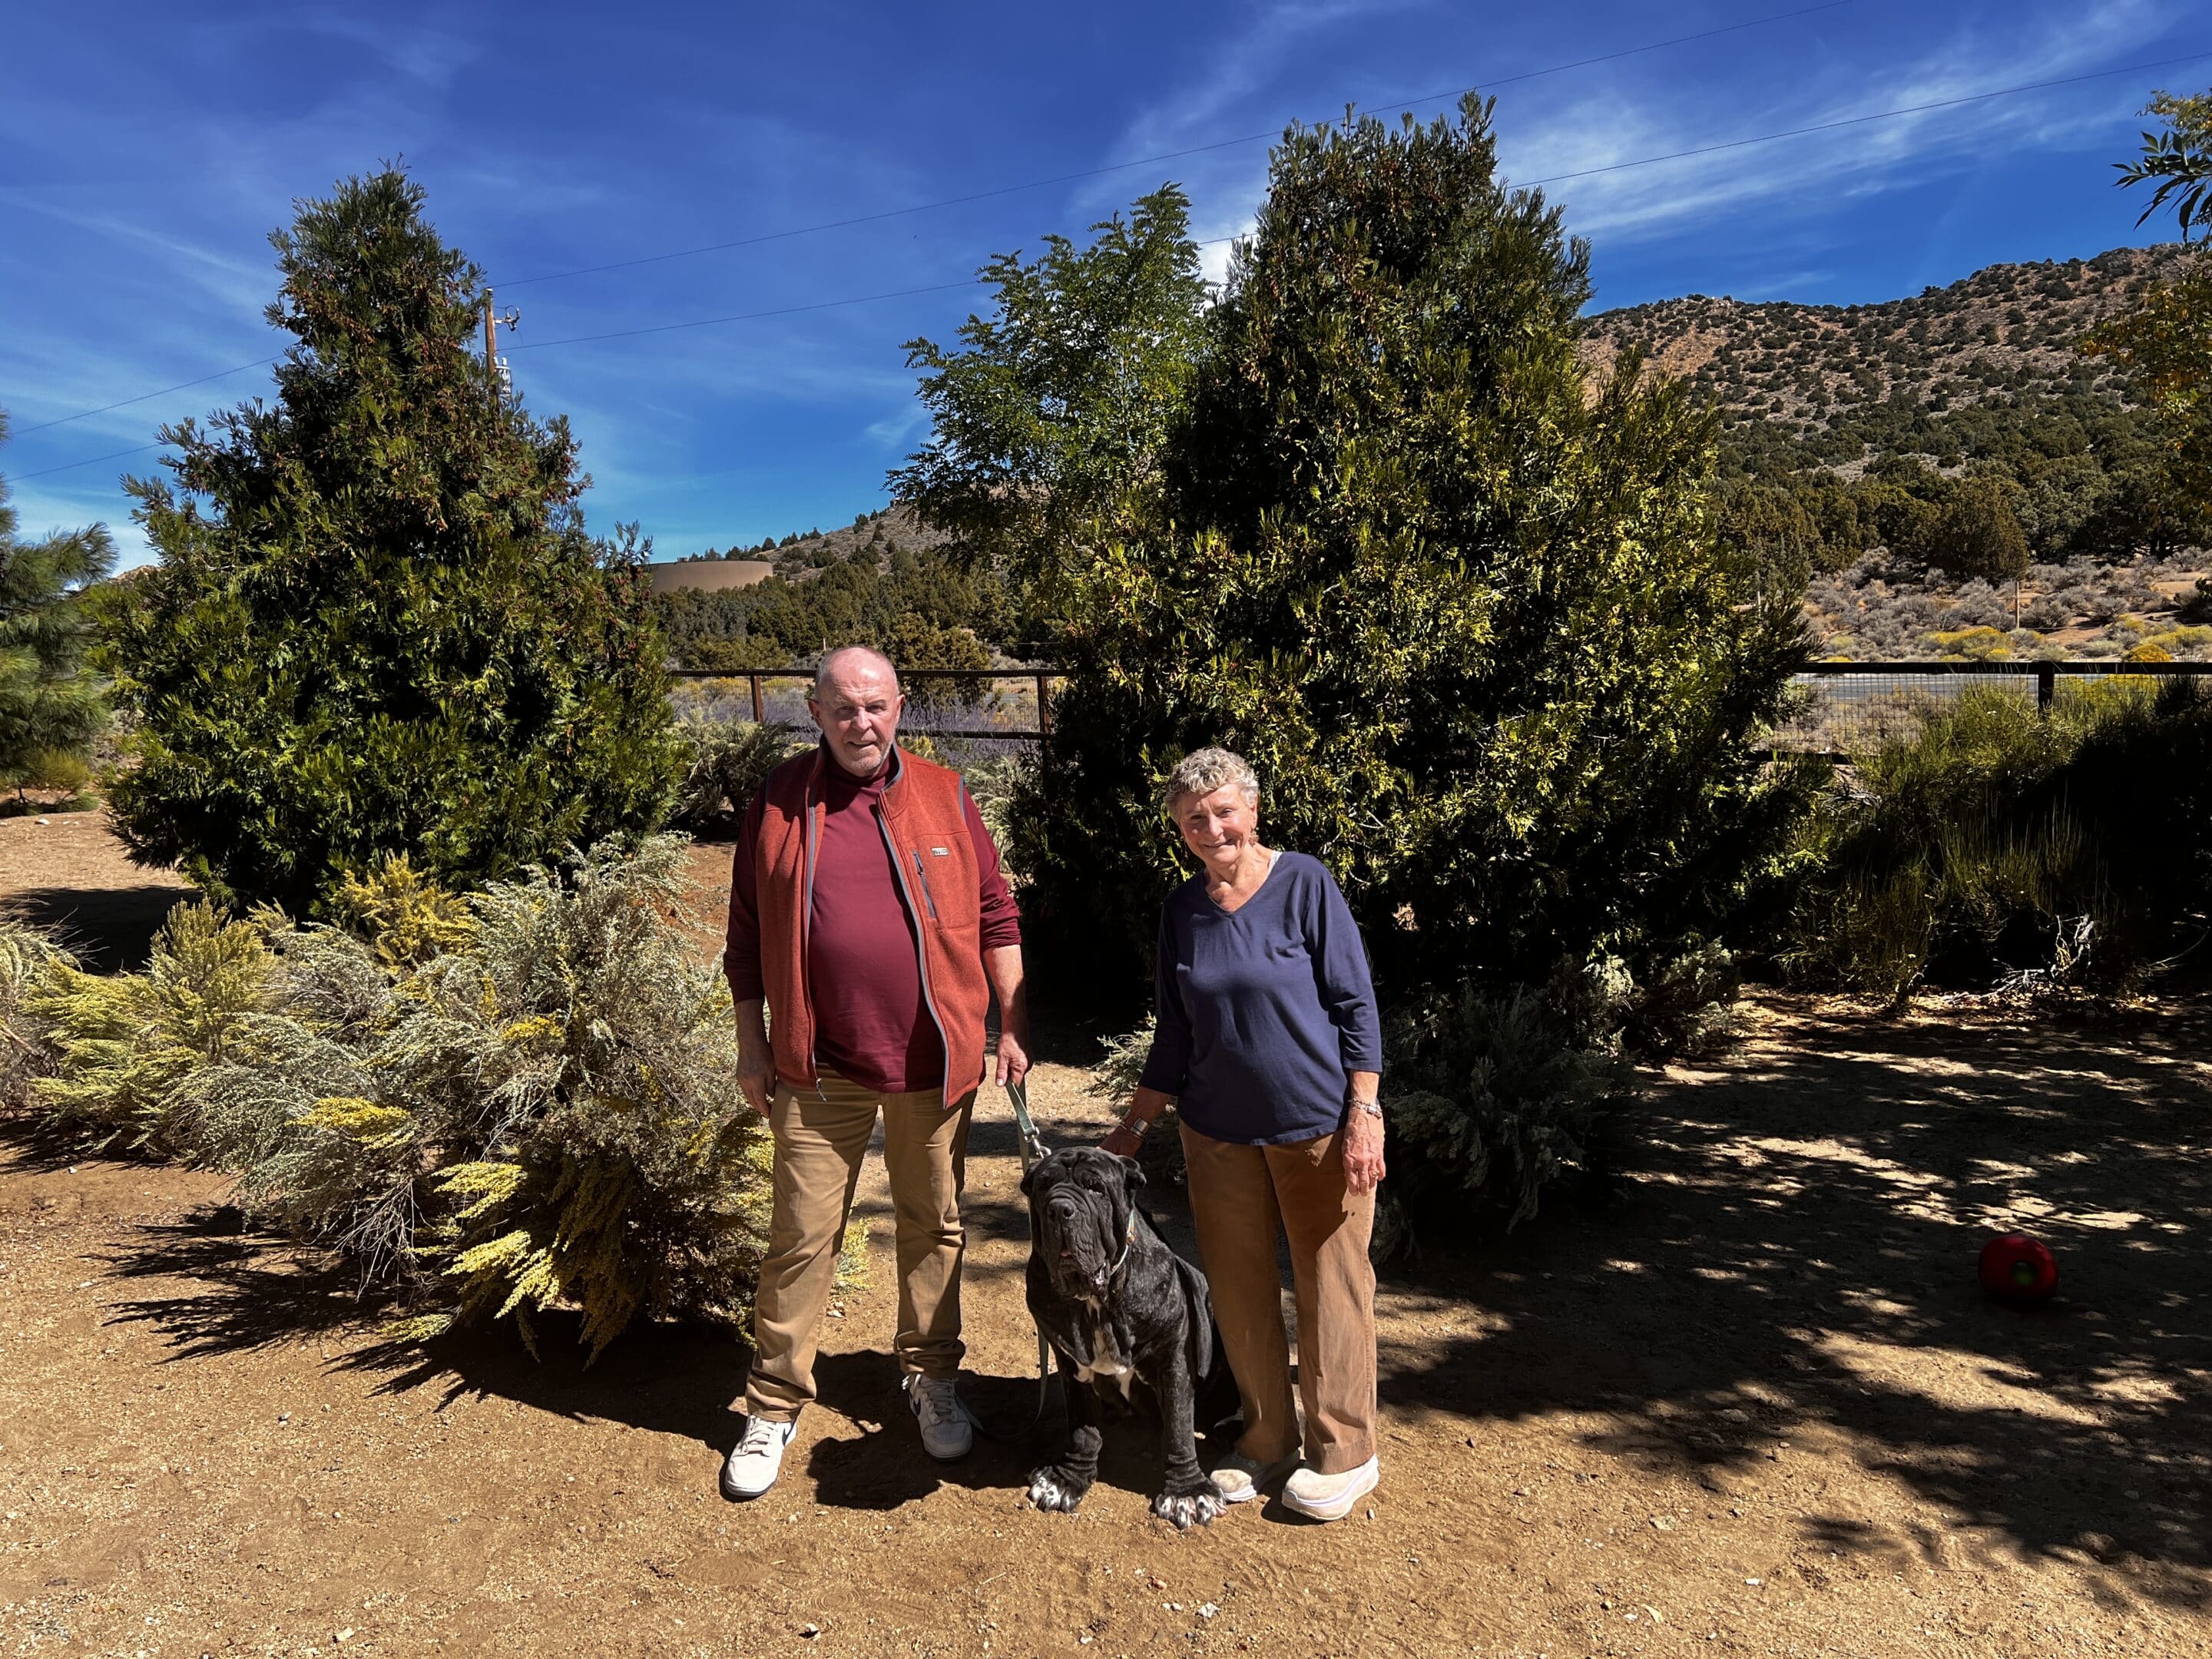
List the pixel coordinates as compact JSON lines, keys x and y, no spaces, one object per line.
{"x":1128,"y":1244}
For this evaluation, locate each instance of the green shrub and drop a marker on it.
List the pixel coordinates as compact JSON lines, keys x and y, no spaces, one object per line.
{"x":1495,"y":1097}
{"x":1999,"y":845}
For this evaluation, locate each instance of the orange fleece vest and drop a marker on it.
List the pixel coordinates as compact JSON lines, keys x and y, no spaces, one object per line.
{"x":925,"y":834}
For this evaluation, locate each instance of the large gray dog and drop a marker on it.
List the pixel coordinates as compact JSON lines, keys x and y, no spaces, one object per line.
{"x":1126,"y":1317}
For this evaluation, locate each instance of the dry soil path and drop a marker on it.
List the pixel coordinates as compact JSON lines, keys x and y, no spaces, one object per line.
{"x":1752,"y":1404}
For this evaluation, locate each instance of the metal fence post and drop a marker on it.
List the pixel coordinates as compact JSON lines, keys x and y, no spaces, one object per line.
{"x":2046,"y":686}
{"x":1044,"y":716}
{"x":760,"y":711}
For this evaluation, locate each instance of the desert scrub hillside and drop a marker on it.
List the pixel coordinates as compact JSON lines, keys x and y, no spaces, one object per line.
{"x":1803,"y":385}
{"x":1881,"y":608}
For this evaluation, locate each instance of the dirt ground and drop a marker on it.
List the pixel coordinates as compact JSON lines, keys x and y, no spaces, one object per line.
{"x":1750,"y":1403}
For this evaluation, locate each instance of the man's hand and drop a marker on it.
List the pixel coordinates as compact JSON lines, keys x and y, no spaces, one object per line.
{"x":1364,"y":1168}
{"x":1003,"y":964}
{"x":755,"y":1059}
{"x":1013,"y":1059}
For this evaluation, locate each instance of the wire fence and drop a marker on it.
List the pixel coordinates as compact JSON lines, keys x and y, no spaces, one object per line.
{"x":1843,"y":709}
{"x":1839,"y":708}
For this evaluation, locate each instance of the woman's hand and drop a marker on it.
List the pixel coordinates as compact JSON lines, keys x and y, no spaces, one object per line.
{"x":1144,"y":1106}
{"x":1364,"y":1168}
{"x":1123,"y":1141}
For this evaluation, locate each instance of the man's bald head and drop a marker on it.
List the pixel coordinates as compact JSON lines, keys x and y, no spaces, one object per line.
{"x":846,"y":656}
{"x":856,"y":702}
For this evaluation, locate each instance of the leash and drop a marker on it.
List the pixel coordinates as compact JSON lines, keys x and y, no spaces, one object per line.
{"x":1032,"y":1144}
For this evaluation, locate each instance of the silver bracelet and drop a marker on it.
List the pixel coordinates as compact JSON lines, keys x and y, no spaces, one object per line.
{"x":1135,"y":1125}
{"x":1372,"y":1108}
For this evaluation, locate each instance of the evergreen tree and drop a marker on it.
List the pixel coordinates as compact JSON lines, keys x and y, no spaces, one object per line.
{"x":379,"y":625}
{"x":1465,"y":607}
{"x":50,"y":709}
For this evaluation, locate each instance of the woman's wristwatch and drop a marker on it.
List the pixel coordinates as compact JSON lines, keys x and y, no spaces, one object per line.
{"x":1135,"y":1125}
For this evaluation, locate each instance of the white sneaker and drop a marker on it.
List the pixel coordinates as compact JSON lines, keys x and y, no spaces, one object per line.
{"x":947,"y":1430}
{"x":1330,"y":1496}
{"x":1242,"y":1479}
{"x":753,"y":1465}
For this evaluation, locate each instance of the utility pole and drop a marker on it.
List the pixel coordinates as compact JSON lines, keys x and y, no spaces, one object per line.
{"x":491,"y":352}
{"x":494,"y":375}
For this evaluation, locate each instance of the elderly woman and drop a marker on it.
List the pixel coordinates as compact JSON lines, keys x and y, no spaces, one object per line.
{"x":1269,"y":1040}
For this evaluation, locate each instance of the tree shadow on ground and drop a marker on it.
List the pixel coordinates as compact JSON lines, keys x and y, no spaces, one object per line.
{"x":1795,"y":1253}
{"x":1790,"y":1264}
{"x":108,"y":929}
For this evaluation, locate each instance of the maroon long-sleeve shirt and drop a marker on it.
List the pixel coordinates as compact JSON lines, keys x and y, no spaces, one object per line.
{"x":863,"y":976}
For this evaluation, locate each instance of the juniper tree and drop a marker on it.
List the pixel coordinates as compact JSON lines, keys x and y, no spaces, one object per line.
{"x":1461,"y":601}
{"x":379,"y":625}
{"x":51,"y":706}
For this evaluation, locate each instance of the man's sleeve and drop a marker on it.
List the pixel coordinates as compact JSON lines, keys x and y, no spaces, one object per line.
{"x":1002,"y":919}
{"x":741,"y":952}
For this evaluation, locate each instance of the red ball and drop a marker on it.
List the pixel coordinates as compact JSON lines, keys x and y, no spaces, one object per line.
{"x":2019,"y":1271}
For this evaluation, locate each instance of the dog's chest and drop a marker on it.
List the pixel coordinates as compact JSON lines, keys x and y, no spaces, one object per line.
{"x":1107,"y":1368}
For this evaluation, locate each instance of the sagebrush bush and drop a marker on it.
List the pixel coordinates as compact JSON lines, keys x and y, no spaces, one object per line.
{"x":127,"y":1044}
{"x":532,"y":1104}
{"x":726,"y":762}
{"x":28,"y":956}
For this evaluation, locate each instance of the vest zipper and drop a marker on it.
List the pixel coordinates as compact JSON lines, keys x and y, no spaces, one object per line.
{"x":805,"y":931}
{"x":928,"y":897}
{"x":921,"y":953}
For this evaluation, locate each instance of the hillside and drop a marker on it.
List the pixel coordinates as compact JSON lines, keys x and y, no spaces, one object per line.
{"x":1846,"y":431}
{"x":1842,"y":385}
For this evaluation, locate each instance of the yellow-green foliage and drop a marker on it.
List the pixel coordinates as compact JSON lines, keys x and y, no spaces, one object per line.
{"x":529,"y":1109}
{"x":406,"y":917}
{"x":125,"y":1044}
{"x":28,"y":956}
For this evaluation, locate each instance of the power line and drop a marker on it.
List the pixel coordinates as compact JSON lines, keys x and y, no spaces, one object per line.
{"x":87,"y":414}
{"x":941,"y":288}
{"x":1150,"y":161}
{"x":1861,"y":120}
{"x":95,"y":461}
{"x":955,"y":201}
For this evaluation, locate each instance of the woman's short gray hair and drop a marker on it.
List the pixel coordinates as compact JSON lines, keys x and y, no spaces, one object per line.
{"x":1205,"y":770}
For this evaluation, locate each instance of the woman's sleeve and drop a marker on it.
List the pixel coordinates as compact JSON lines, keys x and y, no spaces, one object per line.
{"x":1168,"y":1067}
{"x":1347,"y":990}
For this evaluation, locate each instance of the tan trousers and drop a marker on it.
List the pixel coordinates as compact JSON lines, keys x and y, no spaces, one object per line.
{"x":1241,"y":1197}
{"x":820,"y":1140}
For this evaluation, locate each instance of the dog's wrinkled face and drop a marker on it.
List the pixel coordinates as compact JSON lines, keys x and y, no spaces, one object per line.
{"x":1080,"y":1201}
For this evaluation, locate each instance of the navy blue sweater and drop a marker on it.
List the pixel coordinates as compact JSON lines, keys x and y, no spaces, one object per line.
{"x":1265,"y":1011}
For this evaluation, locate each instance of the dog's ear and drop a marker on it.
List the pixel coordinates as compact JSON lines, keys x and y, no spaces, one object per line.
{"x":1133,"y":1173}
{"x":1029,"y":1180}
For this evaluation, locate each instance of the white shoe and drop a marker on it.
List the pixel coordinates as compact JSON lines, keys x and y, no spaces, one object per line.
{"x":947,"y":1430}
{"x":1330,"y":1496}
{"x":1242,"y":1479}
{"x":753,"y":1465}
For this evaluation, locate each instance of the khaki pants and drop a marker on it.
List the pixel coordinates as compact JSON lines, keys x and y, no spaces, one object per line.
{"x":820,"y":1140}
{"x":1241,"y":1197}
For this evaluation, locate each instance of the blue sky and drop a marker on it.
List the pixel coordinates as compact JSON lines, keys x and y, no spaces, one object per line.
{"x":144,"y":162}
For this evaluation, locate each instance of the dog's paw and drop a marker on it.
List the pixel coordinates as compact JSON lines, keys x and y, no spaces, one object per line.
{"x":1053,"y":1488}
{"x":1195,"y":1508}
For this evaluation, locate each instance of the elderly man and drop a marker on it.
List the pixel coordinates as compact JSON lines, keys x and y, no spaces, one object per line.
{"x":868,"y":913}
